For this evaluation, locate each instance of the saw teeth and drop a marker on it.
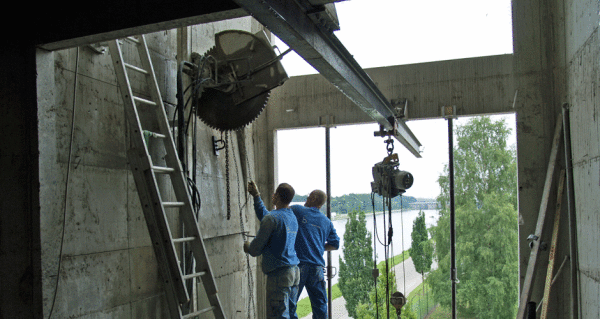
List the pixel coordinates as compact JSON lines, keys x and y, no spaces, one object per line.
{"x":218,"y":110}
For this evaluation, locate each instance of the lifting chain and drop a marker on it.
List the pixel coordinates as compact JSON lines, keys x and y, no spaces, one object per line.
{"x":227,"y":173}
{"x":251,"y":307}
{"x":389,"y":145}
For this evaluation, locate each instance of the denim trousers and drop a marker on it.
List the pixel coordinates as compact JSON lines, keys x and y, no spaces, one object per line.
{"x":312,"y":277}
{"x":282,"y":292}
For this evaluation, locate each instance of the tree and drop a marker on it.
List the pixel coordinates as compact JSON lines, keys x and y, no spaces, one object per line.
{"x":421,"y":251}
{"x":377,"y":302}
{"x":355,"y":269}
{"x":486,"y":224}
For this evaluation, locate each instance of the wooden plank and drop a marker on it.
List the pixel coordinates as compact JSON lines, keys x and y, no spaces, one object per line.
{"x":553,"y":245}
{"x":535,"y":249}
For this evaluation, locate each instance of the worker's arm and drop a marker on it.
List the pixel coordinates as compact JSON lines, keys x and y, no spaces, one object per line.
{"x":259,"y":206}
{"x":255,"y":247}
{"x":333,"y":240}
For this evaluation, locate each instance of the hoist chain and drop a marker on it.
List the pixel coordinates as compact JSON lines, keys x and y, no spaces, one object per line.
{"x":243,"y":230}
{"x":389,"y":145}
{"x":227,"y":173}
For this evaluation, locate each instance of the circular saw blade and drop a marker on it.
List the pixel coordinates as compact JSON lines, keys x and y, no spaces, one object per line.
{"x":218,"y":111}
{"x":231,"y":107}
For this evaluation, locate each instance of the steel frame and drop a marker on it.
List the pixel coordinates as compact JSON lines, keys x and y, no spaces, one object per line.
{"x":323,"y":50}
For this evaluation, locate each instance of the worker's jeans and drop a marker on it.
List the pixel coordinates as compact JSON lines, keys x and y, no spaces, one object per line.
{"x":282,"y":292}
{"x":311,"y":277}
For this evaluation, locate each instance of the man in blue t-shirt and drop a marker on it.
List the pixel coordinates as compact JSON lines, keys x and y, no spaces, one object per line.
{"x":315,"y":235}
{"x":275,"y":242}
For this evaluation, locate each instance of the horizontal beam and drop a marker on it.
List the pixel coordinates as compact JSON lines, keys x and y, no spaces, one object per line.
{"x":476,"y":86}
{"x":79,"y":25}
{"x":321,"y":49}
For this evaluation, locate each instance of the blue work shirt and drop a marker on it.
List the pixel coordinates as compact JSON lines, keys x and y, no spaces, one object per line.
{"x":314,"y":231}
{"x":275,"y":238}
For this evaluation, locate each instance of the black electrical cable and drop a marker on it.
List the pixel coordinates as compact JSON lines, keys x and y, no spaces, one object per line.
{"x":375,"y":269}
{"x":62,"y":240}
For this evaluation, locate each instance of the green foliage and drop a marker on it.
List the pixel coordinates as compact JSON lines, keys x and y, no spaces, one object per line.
{"x":486,"y":224}
{"x":360,"y":202}
{"x":355,"y":280}
{"x":421,"y":250}
{"x":304,"y":308}
{"x":377,"y":302}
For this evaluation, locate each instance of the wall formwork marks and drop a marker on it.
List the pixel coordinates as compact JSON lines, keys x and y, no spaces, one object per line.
{"x":583,"y":82}
{"x":97,"y":258}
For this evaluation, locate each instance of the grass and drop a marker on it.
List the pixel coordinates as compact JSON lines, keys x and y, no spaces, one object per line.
{"x":304,"y":308}
{"x":417,"y":299}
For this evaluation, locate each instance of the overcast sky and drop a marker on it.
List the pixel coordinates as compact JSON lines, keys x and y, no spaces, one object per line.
{"x":382,"y":33}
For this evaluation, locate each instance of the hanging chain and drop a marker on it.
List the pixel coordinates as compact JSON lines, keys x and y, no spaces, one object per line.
{"x":227,"y":173}
{"x":251,"y":305}
{"x":389,"y":145}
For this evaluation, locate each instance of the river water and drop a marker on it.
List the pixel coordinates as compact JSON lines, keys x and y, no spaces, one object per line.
{"x":402,"y":224}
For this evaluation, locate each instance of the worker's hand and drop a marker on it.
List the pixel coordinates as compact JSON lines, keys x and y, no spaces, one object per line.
{"x":252,"y":189}
{"x":246,"y":246}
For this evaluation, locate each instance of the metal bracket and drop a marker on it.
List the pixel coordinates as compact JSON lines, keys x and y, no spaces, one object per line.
{"x":217,"y":145}
{"x":400,"y":108}
{"x":448,"y":111}
{"x":99,"y":48}
{"x":327,"y":121}
{"x":531,"y":239}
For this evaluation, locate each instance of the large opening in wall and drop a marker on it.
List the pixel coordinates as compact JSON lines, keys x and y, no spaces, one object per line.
{"x":484,"y":156}
{"x":388,"y":32}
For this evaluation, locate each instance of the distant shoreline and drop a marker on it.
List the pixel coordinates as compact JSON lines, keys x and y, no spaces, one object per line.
{"x":345,"y":216}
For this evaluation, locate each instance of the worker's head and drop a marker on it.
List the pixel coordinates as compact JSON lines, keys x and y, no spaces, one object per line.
{"x":283,"y":195}
{"x":316,"y":199}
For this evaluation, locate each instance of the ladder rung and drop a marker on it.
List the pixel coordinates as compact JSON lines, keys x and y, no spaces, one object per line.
{"x":139,"y":99}
{"x":184,"y":239}
{"x":135,"y":68}
{"x":162,"y":170}
{"x":173,"y":204}
{"x":132,"y":39}
{"x":153,"y":134}
{"x":199,"y":312}
{"x":190,"y":276}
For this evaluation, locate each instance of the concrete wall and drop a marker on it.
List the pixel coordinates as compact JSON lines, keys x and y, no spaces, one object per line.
{"x":107,"y":268}
{"x":97,"y":258}
{"x":582,"y":69}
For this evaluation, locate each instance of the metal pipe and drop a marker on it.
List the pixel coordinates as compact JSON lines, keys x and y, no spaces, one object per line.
{"x":328,"y":189}
{"x":452,"y":216}
{"x":571,"y":210}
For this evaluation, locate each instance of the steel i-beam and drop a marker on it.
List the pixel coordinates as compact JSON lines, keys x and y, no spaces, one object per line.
{"x":323,"y":50}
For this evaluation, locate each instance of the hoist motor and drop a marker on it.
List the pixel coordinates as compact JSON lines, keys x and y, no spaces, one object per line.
{"x":388,"y":180}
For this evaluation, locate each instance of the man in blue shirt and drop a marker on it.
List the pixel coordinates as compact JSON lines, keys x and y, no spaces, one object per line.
{"x":275,"y":242}
{"x":315,"y":235}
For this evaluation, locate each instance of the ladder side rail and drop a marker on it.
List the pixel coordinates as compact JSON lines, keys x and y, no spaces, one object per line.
{"x":142,"y":161}
{"x":180,"y":187}
{"x":535,"y":249}
{"x":169,"y":279}
{"x":161,"y":117}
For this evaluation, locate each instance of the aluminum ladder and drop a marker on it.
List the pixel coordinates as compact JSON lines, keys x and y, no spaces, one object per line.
{"x":149,"y":126}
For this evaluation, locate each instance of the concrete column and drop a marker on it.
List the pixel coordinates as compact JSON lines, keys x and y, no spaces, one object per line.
{"x":20,"y":264}
{"x":540,"y":91}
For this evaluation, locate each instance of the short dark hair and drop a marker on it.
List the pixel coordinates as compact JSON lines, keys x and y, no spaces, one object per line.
{"x":285,"y":192}
{"x":318,"y":197}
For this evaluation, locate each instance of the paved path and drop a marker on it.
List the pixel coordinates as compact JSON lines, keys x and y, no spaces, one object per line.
{"x":413,"y":279}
